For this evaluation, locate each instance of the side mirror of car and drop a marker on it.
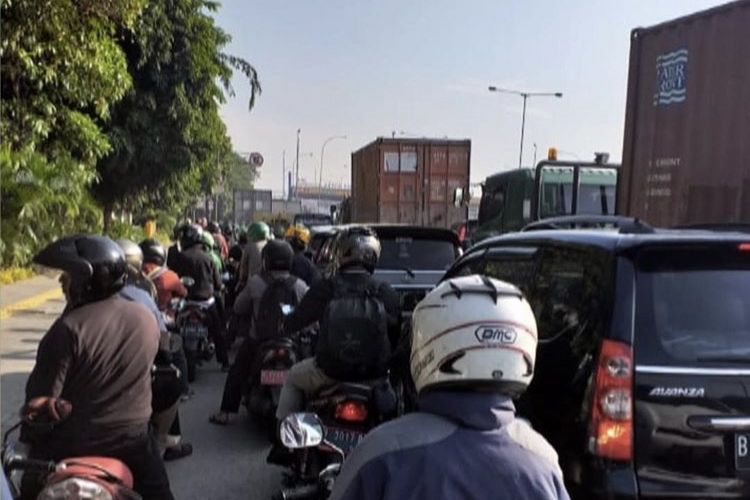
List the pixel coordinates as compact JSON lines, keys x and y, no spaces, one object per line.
{"x":301,"y":430}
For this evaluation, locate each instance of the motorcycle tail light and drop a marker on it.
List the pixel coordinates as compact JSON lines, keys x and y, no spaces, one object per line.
{"x":75,"y":488}
{"x":351,"y":411}
{"x":281,"y":352}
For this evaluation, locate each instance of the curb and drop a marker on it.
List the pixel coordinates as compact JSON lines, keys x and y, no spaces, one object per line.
{"x":33,"y":301}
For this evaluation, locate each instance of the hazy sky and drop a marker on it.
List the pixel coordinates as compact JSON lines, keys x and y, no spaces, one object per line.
{"x":367,"y":68}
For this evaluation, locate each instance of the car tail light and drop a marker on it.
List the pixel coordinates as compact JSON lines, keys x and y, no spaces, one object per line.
{"x":611,"y":426}
{"x":744,"y":247}
{"x":351,"y":411}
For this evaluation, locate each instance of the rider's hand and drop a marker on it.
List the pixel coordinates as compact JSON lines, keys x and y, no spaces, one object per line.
{"x":46,"y":408}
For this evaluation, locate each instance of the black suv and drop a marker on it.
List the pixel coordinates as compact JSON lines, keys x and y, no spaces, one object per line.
{"x":642,"y":377}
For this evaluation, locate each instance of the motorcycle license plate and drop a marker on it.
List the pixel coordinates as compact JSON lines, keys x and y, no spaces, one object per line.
{"x":273,"y":377}
{"x":344,"y":439}
{"x":194,"y":331}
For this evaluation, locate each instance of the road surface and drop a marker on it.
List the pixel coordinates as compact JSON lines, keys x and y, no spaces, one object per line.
{"x":227,"y":462}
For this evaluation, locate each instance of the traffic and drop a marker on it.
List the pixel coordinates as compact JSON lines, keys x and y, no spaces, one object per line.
{"x":573,"y":329}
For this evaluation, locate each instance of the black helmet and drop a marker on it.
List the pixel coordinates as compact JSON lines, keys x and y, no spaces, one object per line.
{"x":213,"y":227}
{"x":358,"y":245}
{"x":277,"y":256}
{"x":153,"y":252}
{"x":95,"y":264}
{"x":191,"y":235}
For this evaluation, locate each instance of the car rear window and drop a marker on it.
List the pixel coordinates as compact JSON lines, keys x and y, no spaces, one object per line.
{"x":693,"y":306}
{"x":416,"y":254}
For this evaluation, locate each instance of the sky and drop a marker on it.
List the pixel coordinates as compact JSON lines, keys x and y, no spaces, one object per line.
{"x":421,"y":68}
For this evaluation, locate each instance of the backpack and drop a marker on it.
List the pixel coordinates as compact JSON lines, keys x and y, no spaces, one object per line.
{"x":270,"y":318}
{"x":353,"y":343}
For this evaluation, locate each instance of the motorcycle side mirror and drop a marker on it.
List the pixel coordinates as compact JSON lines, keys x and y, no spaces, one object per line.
{"x":287,"y":309}
{"x":301,"y":430}
{"x":187,"y":281}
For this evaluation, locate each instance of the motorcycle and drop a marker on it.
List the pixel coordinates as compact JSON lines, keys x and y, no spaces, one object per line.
{"x":275,"y":358}
{"x":344,"y":413}
{"x":191,"y":321}
{"x":75,"y":478}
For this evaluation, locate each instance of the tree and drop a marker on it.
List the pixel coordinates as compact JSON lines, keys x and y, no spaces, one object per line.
{"x":61,"y":73}
{"x":169,"y":142}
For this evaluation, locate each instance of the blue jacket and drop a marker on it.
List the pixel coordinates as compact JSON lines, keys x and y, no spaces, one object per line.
{"x":135,"y":294}
{"x":465,"y":446}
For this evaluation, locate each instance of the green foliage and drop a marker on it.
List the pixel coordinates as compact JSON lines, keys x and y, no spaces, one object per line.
{"x":61,"y":72}
{"x":169,"y":142}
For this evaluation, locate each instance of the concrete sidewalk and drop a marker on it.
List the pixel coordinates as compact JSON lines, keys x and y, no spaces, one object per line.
{"x":28,"y":293}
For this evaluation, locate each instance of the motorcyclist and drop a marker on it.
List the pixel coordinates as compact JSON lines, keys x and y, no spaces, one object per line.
{"x":258,"y":233}
{"x":299,"y":237}
{"x":134,"y":258}
{"x":221,"y":243}
{"x":167,"y":283}
{"x":473,"y":351}
{"x":173,"y":253}
{"x":98,"y":356}
{"x":277,"y":261}
{"x":356,"y":256}
{"x":166,"y":385}
{"x":196,"y":263}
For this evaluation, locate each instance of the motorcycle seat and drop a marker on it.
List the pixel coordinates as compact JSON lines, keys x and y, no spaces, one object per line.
{"x":363,"y":389}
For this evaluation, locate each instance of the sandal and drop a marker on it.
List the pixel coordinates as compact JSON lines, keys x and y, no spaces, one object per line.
{"x":220,"y":418}
{"x":178,"y":451}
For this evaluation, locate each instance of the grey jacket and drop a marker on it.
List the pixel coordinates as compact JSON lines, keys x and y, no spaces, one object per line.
{"x":465,"y":446}
{"x":248,"y":301}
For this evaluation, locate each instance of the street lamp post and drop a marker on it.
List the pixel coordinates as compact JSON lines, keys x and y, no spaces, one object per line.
{"x":525,"y":96}
{"x":320,"y":173}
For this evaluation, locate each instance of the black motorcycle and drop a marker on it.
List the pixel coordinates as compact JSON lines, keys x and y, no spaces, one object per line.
{"x":275,"y":358}
{"x":191,"y":321}
{"x":341,"y":416}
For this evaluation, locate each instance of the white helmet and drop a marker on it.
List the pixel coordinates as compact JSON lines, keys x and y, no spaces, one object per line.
{"x":474,"y":331}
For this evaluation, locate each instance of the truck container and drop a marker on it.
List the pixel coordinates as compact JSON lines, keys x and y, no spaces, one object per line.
{"x":251,"y":204}
{"x":686,"y":151}
{"x":410,"y":181}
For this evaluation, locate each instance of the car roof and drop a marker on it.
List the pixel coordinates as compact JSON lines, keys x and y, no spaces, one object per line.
{"x":400,"y":230}
{"x":613,"y":240}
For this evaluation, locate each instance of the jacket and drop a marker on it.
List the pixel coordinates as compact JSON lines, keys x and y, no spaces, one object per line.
{"x":197,"y":264}
{"x":465,"y":446}
{"x":98,"y":356}
{"x":304,"y":269}
{"x":167,"y":283}
{"x":252,"y":261}
{"x":248,"y":301}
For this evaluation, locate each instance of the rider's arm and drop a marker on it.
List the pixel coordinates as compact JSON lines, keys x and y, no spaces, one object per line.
{"x":392,"y":304}
{"x":53,"y":359}
{"x":311,"y":308}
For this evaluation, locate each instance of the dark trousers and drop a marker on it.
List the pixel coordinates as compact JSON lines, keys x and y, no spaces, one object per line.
{"x":139,"y":453}
{"x":238,"y":375}
{"x":216,"y":332}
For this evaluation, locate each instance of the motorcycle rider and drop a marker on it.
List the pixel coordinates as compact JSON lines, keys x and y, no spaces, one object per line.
{"x":277,"y":262}
{"x":357,"y":253}
{"x":196,"y":263}
{"x":299,"y":237}
{"x":258,"y":233}
{"x":167,"y":283}
{"x":473,"y":351}
{"x":221,"y":243}
{"x":134,"y":258}
{"x":98,"y":356}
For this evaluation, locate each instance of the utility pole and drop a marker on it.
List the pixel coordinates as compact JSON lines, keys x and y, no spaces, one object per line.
{"x":283,"y":174}
{"x":296,"y":172}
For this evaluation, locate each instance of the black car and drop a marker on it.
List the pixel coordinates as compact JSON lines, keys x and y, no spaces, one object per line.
{"x":413,"y":259}
{"x":642,"y":378}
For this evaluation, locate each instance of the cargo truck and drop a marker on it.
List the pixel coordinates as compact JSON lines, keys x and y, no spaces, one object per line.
{"x":409,"y":181}
{"x":686,"y":151}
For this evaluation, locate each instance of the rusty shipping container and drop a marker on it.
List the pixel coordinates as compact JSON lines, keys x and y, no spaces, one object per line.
{"x":686,"y":152}
{"x":410,"y":181}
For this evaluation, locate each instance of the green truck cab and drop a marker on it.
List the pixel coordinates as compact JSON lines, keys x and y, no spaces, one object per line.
{"x":515,"y":198}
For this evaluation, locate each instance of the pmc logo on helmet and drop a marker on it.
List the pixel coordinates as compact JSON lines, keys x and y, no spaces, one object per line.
{"x":487,"y":334}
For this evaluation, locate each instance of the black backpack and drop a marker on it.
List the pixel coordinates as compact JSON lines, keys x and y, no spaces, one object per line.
{"x":353,"y":343}
{"x":270,"y":318}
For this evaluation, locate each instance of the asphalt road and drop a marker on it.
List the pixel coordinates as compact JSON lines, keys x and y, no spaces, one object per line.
{"x":227,"y":462}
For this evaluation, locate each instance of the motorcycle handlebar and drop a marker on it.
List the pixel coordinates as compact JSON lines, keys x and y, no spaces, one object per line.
{"x":299,"y":492}
{"x":29,"y":464}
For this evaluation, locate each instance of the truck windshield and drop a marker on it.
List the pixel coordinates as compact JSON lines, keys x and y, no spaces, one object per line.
{"x":693,"y":306}
{"x":596,"y":193}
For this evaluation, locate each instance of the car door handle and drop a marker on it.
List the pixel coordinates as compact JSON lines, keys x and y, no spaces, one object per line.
{"x":722,"y":424}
